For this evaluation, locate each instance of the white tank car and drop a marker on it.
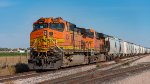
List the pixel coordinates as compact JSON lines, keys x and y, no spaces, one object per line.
{"x":129,"y":47}
{"x":122,"y":48}
{"x":148,"y":50}
{"x":125,"y":48}
{"x":141,"y":50}
{"x":144,"y":50}
{"x":114,"y":46}
{"x":132,"y":48}
{"x":136,"y":49}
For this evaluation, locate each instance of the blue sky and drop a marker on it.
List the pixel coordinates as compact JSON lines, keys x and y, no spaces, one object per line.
{"x":126,"y":19}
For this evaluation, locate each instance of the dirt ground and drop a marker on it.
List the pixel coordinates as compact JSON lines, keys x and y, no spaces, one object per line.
{"x":141,"y":78}
{"x":6,"y":63}
{"x":137,"y":78}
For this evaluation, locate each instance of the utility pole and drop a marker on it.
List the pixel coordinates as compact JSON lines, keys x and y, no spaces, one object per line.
{"x":27,"y":55}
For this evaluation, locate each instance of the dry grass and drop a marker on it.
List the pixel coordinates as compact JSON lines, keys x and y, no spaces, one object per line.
{"x":10,"y":65}
{"x":10,"y":70}
{"x":12,"y":60}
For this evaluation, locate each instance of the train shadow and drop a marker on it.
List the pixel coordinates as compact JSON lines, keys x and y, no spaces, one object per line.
{"x":21,"y":67}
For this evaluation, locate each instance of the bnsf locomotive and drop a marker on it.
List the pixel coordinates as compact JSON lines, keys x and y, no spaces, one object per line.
{"x":57,"y":43}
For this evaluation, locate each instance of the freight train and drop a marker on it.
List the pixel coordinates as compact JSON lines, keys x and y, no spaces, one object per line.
{"x":57,"y":43}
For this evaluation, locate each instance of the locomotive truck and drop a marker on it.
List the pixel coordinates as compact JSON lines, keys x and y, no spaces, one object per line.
{"x":57,"y":43}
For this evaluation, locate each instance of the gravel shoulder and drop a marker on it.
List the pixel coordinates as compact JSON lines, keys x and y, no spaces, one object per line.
{"x":139,"y":77}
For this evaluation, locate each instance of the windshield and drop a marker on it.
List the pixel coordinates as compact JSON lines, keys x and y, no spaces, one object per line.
{"x":39,"y":26}
{"x":57,"y":26}
{"x":89,"y":33}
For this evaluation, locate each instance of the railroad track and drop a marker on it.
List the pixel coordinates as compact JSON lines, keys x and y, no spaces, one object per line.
{"x":20,"y":75}
{"x":35,"y":75}
{"x":101,"y":77}
{"x":89,"y":75}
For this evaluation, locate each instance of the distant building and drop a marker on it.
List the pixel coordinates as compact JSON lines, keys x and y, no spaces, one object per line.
{"x":21,"y":51}
{"x":15,"y":50}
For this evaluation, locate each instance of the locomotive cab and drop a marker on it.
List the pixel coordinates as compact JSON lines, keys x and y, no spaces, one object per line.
{"x":47,"y":34}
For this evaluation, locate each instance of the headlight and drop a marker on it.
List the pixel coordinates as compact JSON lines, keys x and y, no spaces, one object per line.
{"x":45,"y":32}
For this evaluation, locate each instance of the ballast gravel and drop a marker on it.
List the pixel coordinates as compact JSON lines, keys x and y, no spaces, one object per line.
{"x":45,"y":77}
